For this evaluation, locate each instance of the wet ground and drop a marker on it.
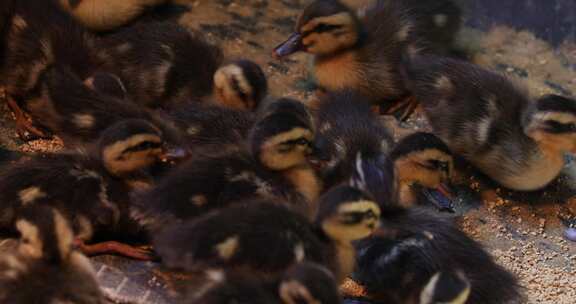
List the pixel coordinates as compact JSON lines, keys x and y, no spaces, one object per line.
{"x":521,"y":230}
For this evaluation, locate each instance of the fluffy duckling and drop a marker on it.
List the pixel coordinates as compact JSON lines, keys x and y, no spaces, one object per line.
{"x":38,"y":34}
{"x":91,"y":188}
{"x":105,"y":15}
{"x":304,"y":282}
{"x":45,"y":268}
{"x":161,"y":64}
{"x":352,"y":53}
{"x":244,"y":236}
{"x":351,"y":139}
{"x":411,"y":246}
{"x":274,"y":164}
{"x":79,"y":112}
{"x":239,"y":88}
{"x":493,"y":123}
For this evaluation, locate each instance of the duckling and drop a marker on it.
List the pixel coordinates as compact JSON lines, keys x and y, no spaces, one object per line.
{"x":239,"y":88}
{"x":106,"y":15}
{"x":352,"y":139}
{"x":176,"y":65}
{"x":244,"y":235}
{"x":363,"y":53}
{"x":37,"y":34}
{"x":411,"y":246}
{"x":90,"y":188}
{"x":45,"y":268}
{"x":162,"y":64}
{"x":302,"y":283}
{"x":352,"y":53}
{"x":491,"y":121}
{"x":273,"y":163}
{"x":78,"y":113}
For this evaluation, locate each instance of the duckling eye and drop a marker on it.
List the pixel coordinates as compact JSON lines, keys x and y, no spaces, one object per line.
{"x":351,"y":218}
{"x":557,"y":127}
{"x":438,"y":165}
{"x":146,"y":145}
{"x":303,"y":142}
{"x":323,"y":27}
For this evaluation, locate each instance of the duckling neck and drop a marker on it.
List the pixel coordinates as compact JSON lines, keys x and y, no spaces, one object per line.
{"x":306,"y":182}
{"x":346,"y":255}
{"x":338,"y":71}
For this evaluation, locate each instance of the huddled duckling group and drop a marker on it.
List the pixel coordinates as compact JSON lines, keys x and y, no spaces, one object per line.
{"x":259,"y":200}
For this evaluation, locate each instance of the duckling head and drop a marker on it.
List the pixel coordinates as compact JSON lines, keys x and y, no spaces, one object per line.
{"x":130,"y":146}
{"x":44,"y":234}
{"x":308,"y":283}
{"x":553,"y":123}
{"x":423,"y":162}
{"x":283,"y":136}
{"x":347,"y":214}
{"x":323,"y":28}
{"x":446,"y":287}
{"x":240,"y":85}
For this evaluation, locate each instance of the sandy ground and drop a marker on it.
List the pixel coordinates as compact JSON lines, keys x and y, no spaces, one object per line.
{"x":520,"y":229}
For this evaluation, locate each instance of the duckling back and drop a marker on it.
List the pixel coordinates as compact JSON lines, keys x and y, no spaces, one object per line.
{"x":346,"y":128}
{"x":79,"y":113}
{"x":163,"y":63}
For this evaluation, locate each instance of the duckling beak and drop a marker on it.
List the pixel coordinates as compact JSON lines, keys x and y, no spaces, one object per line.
{"x":292,"y":45}
{"x":174,"y":155}
{"x":442,"y":197}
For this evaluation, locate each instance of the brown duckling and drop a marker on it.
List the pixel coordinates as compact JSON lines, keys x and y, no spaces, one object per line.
{"x":305,"y":282}
{"x":78,"y":112}
{"x":267,"y":237}
{"x":90,"y":188}
{"x":38,"y":34}
{"x":239,"y":88}
{"x":351,"y":139}
{"x":273,"y":163}
{"x":105,"y":15}
{"x":45,"y":268}
{"x":364,"y":54}
{"x":162,"y":64}
{"x":491,"y":121}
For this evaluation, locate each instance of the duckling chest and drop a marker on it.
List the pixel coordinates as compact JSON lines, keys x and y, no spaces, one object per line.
{"x":534,"y":173}
{"x":338,"y":72}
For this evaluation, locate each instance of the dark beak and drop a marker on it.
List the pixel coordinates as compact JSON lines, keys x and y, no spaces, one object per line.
{"x":442,"y":197}
{"x":174,"y":155}
{"x":292,"y":45}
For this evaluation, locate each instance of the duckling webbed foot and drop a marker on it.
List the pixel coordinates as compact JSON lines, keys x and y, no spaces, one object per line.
{"x":25,"y":128}
{"x":112,"y":247}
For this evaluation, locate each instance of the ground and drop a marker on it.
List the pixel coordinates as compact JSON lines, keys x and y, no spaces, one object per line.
{"x":522,"y":231}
